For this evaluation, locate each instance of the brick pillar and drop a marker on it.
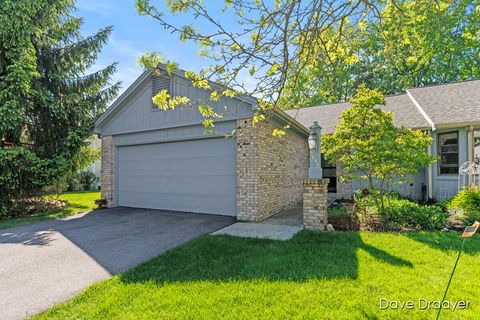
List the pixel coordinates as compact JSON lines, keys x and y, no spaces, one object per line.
{"x":107,"y":170}
{"x":315,"y":202}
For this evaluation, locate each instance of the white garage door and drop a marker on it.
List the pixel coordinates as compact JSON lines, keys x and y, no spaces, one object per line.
{"x":191,"y":176}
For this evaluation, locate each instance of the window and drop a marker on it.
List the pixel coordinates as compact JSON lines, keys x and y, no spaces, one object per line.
{"x":448,"y":152}
{"x":476,"y":146}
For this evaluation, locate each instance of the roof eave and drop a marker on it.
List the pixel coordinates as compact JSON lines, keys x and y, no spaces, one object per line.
{"x":100,"y":121}
{"x":285,"y":118}
{"x":457,"y":124}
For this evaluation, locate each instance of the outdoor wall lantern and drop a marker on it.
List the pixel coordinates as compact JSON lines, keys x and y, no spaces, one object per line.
{"x":312,"y":140}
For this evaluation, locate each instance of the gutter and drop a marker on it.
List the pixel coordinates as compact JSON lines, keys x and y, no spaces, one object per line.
{"x":430,"y":171}
{"x":470,"y":143}
{"x":286,"y":119}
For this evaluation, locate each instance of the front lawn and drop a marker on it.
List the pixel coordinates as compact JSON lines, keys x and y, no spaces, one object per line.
{"x":77,"y":202}
{"x":341,"y":275}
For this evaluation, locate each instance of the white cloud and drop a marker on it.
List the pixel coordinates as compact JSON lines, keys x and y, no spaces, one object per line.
{"x":126,"y":75}
{"x":124,"y":47}
{"x":100,"y":7}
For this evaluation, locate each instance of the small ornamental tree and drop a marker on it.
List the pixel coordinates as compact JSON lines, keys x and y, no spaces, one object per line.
{"x":371,"y":148}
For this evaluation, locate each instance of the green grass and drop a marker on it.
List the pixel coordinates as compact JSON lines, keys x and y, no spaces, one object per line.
{"x":339,"y":275}
{"x":77,"y":202}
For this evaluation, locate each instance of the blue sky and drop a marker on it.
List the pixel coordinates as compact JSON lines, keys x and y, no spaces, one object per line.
{"x":132,"y":36}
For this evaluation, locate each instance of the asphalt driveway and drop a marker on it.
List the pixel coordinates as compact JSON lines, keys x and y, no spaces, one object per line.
{"x":49,"y":262}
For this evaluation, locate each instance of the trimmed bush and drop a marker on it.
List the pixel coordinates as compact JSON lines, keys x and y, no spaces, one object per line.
{"x":408,"y":214}
{"x":467,"y":204}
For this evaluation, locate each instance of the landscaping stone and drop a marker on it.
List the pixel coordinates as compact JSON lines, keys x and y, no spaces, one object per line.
{"x":330,"y":227}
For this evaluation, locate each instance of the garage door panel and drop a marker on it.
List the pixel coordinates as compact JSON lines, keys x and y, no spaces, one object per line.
{"x":194,"y":176}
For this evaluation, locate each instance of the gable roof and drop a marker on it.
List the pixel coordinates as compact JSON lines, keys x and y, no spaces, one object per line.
{"x":444,"y":105}
{"x":121,"y":103}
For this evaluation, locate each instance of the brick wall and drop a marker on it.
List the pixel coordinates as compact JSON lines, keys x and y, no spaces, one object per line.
{"x":107,"y":170}
{"x":270,"y":170}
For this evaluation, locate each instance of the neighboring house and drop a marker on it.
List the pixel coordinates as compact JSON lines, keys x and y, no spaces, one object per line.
{"x":95,"y":167}
{"x":450,"y":113}
{"x":163,"y":160}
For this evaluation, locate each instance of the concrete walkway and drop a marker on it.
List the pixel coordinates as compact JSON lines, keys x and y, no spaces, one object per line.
{"x":282,"y":226}
{"x":259,"y":230}
{"x":49,"y":262}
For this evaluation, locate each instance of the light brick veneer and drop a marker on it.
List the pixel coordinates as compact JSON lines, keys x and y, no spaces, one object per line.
{"x":315,"y":203}
{"x":270,"y":170}
{"x":107,"y":170}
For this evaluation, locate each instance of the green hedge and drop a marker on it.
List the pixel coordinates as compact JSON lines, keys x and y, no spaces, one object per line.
{"x":408,"y":214}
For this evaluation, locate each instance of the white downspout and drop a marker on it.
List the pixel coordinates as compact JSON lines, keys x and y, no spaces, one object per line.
{"x":470,"y":143}
{"x":432,"y":125}
{"x":430,"y":171}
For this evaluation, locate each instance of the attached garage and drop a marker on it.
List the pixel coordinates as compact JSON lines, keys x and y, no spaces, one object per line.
{"x":191,"y":176}
{"x":165,"y":160}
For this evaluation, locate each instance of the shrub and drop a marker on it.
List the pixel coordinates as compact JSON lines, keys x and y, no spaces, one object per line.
{"x":86,"y":179}
{"x":22,"y":175}
{"x":467,"y":203}
{"x":444,"y":204}
{"x":342,"y":217}
{"x":408,"y":214}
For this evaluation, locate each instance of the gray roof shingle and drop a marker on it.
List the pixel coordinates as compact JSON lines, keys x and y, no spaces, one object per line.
{"x":454,"y":103}
{"x":404,"y":114}
{"x":445,"y":105}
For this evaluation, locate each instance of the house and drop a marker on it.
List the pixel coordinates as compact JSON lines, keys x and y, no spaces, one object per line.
{"x":164,"y":159}
{"x":450,"y":113}
{"x":95,"y":167}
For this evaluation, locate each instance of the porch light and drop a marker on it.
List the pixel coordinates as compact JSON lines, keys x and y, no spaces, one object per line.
{"x":312,"y":140}
{"x":314,"y":144}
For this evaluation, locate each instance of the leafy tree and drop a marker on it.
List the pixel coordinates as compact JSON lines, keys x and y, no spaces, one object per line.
{"x":261,"y":41}
{"x":415,"y":43}
{"x":370,"y":147}
{"x":299,"y":53}
{"x":87,"y":155}
{"x":48,"y":102}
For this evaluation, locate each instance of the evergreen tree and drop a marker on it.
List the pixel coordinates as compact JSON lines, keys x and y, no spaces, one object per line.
{"x":48,"y":101}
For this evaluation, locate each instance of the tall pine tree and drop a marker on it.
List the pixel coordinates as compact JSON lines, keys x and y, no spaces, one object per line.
{"x":48,"y":100}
